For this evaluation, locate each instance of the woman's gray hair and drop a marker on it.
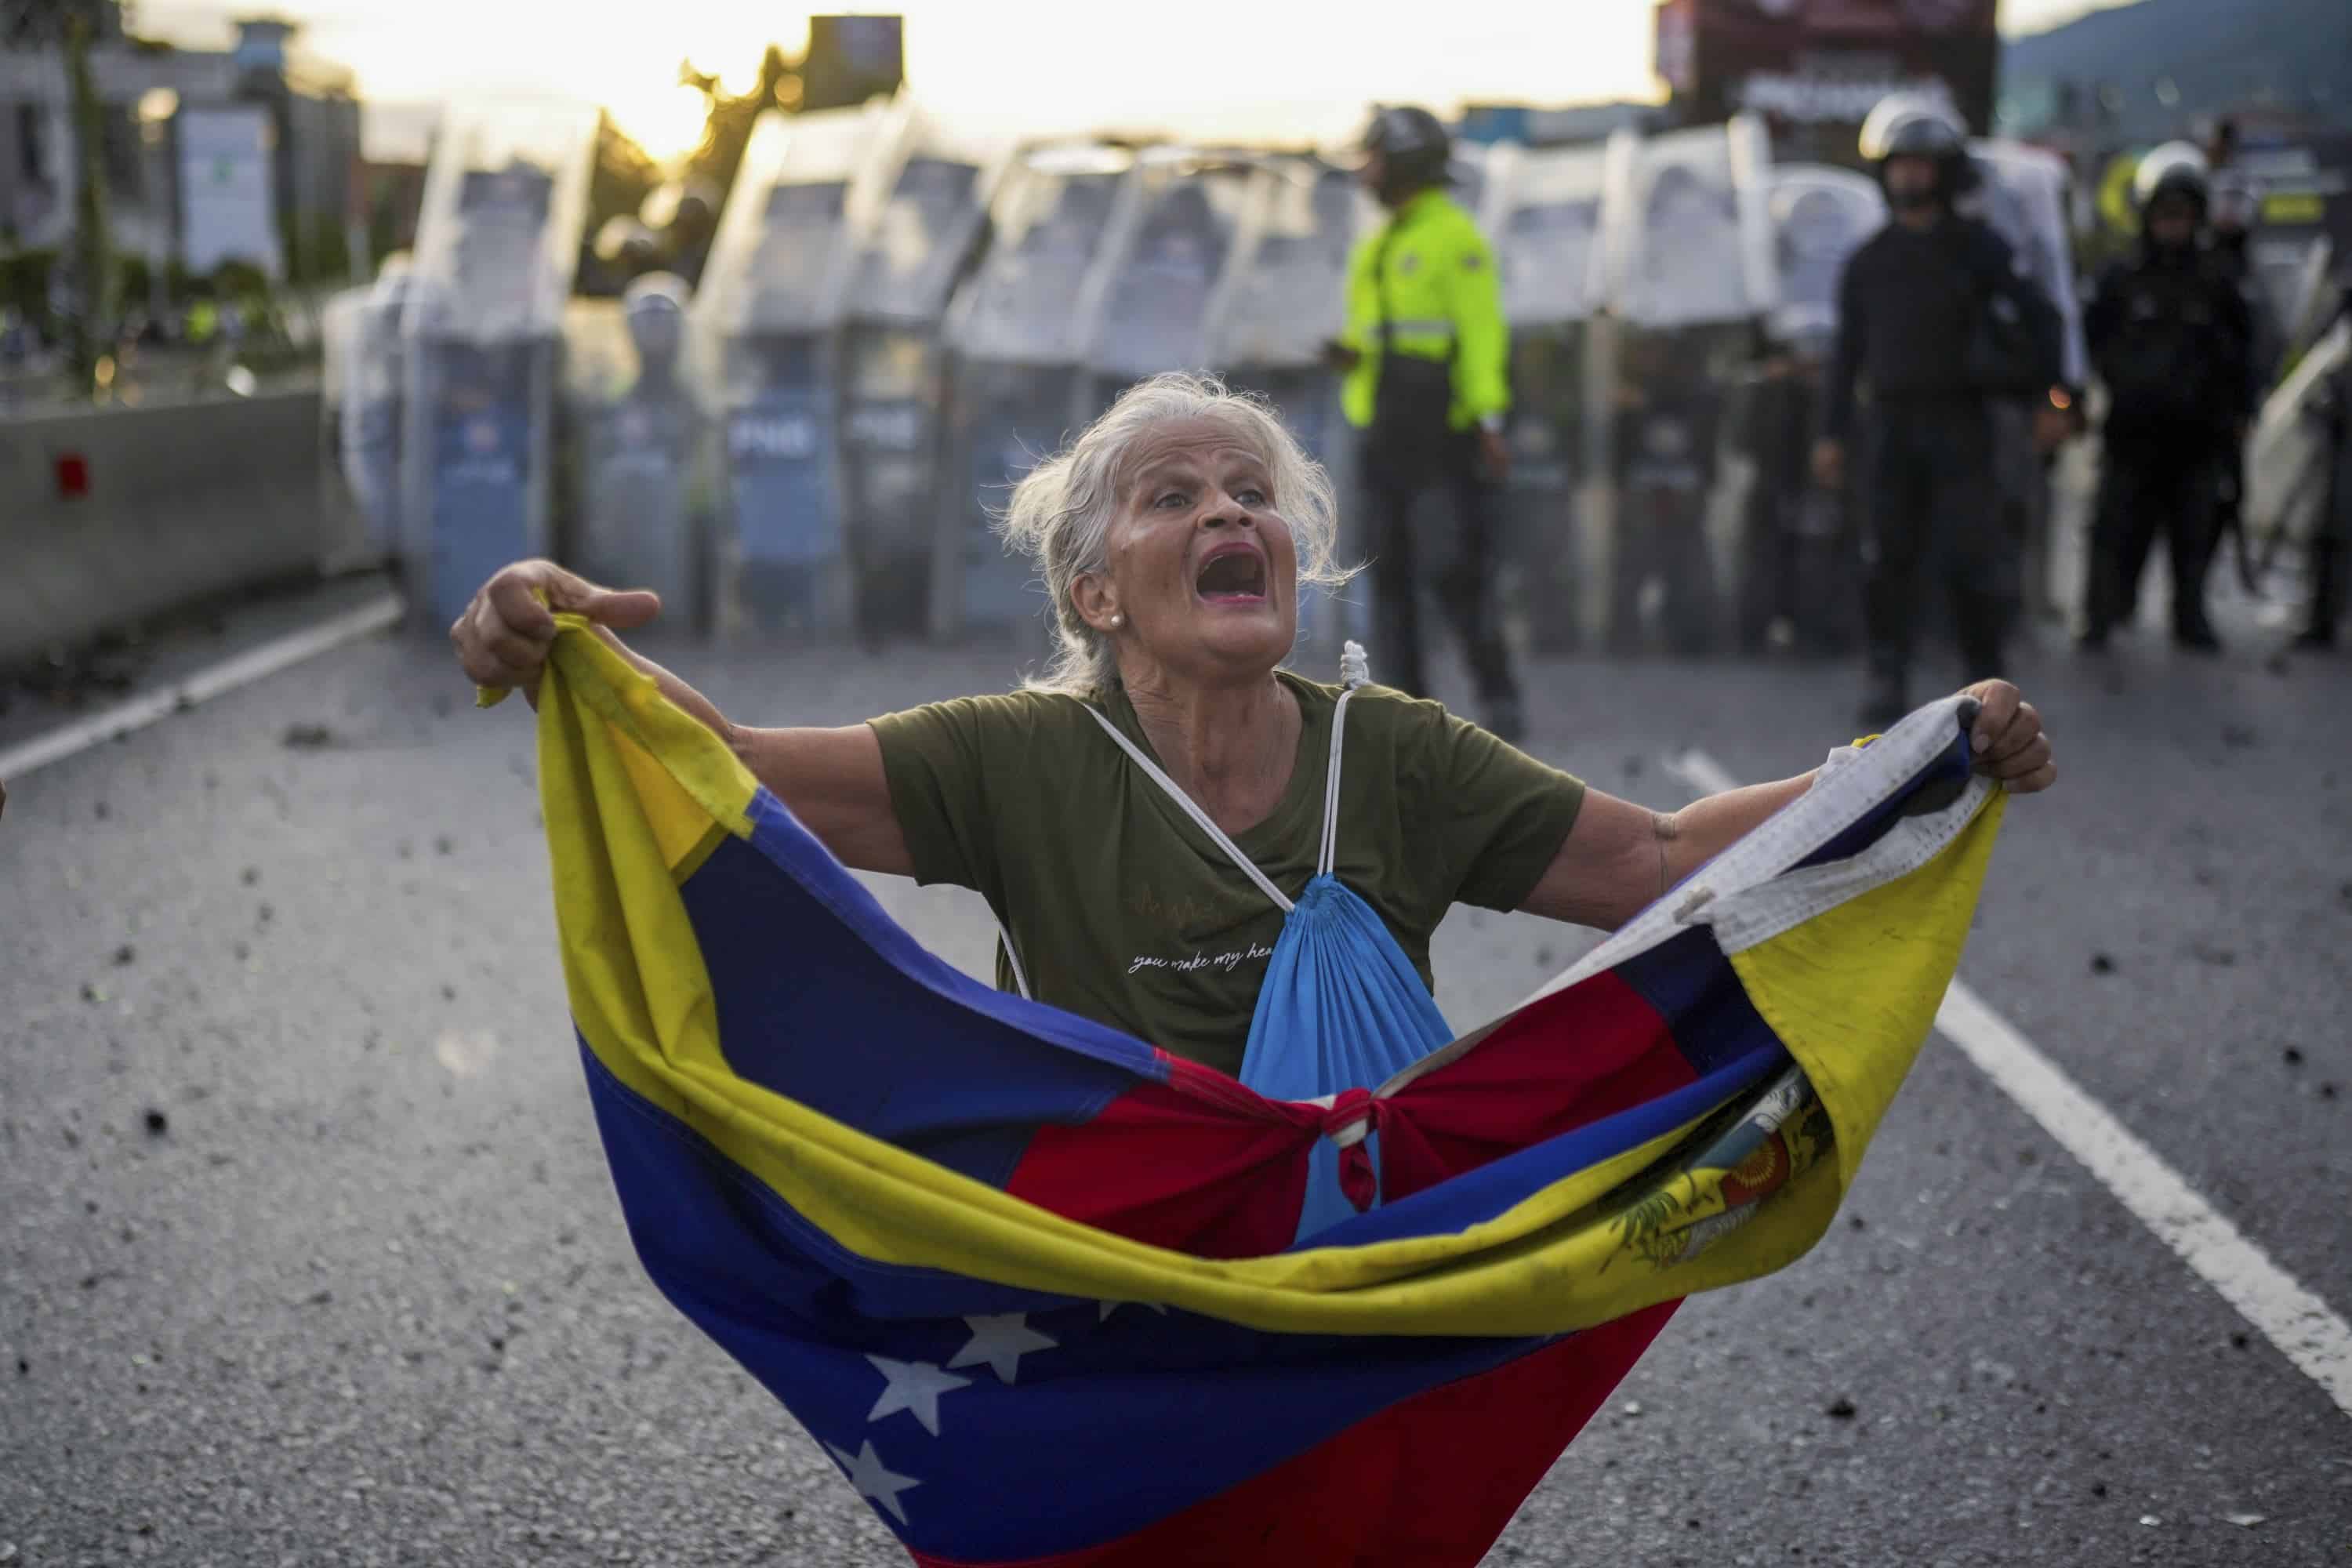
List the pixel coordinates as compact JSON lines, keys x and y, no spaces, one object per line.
{"x":1060,"y":515}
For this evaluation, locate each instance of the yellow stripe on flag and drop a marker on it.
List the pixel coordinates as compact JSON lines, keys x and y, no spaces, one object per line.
{"x":632,"y":787}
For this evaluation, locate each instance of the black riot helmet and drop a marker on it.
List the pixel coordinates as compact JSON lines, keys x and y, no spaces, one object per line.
{"x":2174,"y":169}
{"x":1413,"y":148}
{"x":1909,"y":125}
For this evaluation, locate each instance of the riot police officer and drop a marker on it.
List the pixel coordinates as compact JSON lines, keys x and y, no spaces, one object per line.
{"x":1426,"y":352}
{"x":1935,"y":323}
{"x":2172,"y":339}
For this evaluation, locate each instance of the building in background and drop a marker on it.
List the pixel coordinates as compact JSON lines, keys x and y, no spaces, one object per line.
{"x":392,"y":196}
{"x":304,"y":111}
{"x":1812,"y":68}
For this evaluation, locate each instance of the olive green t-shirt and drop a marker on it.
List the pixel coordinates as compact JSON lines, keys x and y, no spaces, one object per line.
{"x":1121,"y":909}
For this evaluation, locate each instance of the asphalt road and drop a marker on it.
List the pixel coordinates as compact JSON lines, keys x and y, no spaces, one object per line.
{"x":308,"y":1254}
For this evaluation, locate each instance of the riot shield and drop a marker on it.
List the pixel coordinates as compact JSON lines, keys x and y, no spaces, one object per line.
{"x":369,"y":427}
{"x":1284,"y":298}
{"x":498,"y":242}
{"x":1543,"y":214}
{"x":768,"y":322}
{"x":1467,"y":174}
{"x":1821,"y":216}
{"x":2290,"y":266}
{"x":2287,"y":459}
{"x":1015,"y":338}
{"x":932,"y":219}
{"x":1799,"y":579}
{"x":343,"y":526}
{"x":637,"y":442}
{"x":1687,"y":276}
{"x":2023,"y":193}
{"x":1174,"y":232}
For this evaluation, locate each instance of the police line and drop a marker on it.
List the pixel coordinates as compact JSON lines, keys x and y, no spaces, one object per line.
{"x":896,"y":320}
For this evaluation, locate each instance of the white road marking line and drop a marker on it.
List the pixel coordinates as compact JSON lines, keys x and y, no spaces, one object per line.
{"x":238,"y":670}
{"x":2303,"y":1328}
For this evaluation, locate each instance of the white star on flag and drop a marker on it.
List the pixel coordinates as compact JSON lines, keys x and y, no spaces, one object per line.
{"x":1108,"y":1308}
{"x":875,"y":1480}
{"x":914,"y":1386}
{"x":1000,"y":1342}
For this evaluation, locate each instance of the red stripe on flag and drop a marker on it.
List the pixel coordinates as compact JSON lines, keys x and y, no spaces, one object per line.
{"x":1201,"y":1164}
{"x":1427,"y":1483}
{"x":1578,"y":1057}
{"x":1156,"y":1164}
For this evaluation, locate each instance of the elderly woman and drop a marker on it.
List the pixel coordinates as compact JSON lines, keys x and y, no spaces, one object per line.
{"x":1134,"y":880}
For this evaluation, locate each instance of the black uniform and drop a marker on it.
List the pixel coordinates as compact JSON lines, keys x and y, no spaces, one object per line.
{"x":2331,"y":530}
{"x":1797,"y":542}
{"x":1401,"y":457}
{"x":1911,"y":311}
{"x":1665,"y":434}
{"x":2172,"y":339}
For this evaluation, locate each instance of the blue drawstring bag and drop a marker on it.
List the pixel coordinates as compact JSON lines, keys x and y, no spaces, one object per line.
{"x":1341,"y":1007}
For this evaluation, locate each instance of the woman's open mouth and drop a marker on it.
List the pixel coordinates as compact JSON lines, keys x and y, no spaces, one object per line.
{"x":1235,"y":575}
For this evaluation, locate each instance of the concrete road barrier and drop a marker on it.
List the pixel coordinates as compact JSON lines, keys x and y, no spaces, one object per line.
{"x":110,"y":516}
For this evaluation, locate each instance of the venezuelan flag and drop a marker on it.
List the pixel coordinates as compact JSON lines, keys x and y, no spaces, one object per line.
{"x":1032,"y":1284}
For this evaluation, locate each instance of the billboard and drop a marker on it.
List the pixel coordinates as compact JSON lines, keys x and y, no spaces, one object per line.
{"x":227,"y":194}
{"x":851,"y":59}
{"x":1823,"y":63}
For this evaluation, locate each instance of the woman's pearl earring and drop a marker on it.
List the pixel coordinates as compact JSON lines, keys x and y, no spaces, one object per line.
{"x":1117,"y":620}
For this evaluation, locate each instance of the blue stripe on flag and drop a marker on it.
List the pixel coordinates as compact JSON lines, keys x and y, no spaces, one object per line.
{"x":1952,"y":764}
{"x":825,"y":999}
{"x":1190,"y":1405}
{"x":1694,"y":989}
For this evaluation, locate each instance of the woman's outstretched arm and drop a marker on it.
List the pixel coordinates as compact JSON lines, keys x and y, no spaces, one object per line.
{"x":1620,"y":857}
{"x":833,"y":780}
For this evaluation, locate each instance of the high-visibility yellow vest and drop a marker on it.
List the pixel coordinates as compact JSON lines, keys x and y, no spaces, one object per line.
{"x":1423,"y":284}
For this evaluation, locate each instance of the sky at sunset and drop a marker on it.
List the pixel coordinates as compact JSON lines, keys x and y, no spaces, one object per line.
{"x":1238,"y":67}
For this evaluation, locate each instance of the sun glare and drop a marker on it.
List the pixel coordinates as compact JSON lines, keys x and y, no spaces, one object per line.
{"x":1219,"y":67}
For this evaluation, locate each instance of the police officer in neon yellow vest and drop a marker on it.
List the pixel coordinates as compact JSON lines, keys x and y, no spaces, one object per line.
{"x":1425,"y":350}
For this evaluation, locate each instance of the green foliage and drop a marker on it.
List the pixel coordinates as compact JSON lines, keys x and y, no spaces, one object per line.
{"x":239,"y":280}
{"x":316,"y":248}
{"x":25,"y":282}
{"x":93,"y":251}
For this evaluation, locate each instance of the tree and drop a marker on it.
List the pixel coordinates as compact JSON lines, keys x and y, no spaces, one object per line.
{"x":624,"y":175}
{"x":70,"y":27}
{"x":728,"y":128}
